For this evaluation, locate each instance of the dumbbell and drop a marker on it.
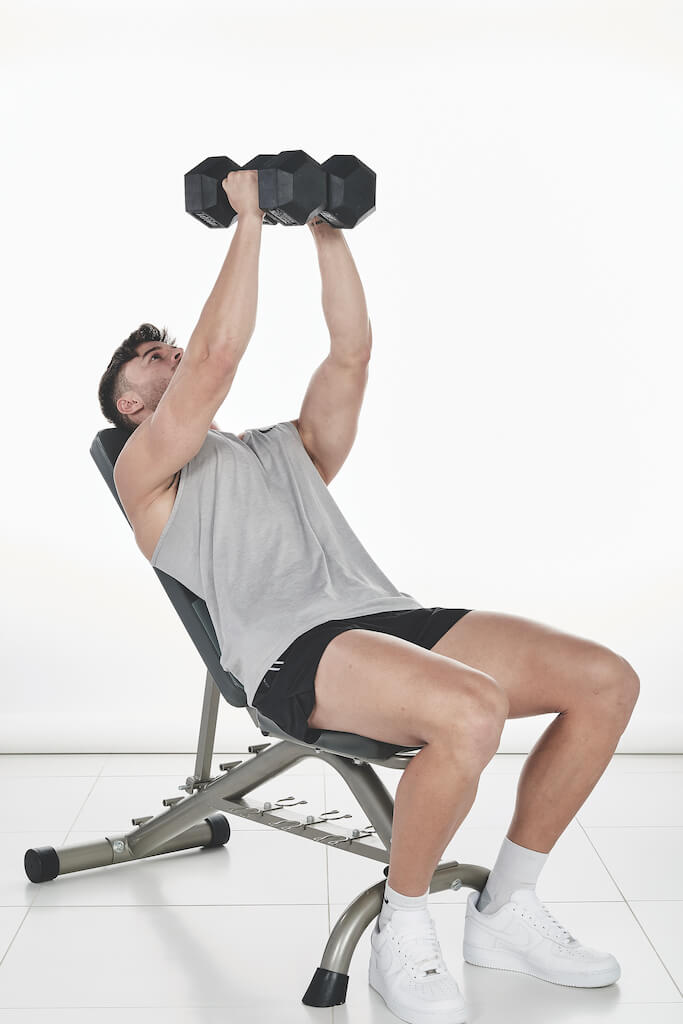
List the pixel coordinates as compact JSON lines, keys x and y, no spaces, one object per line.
{"x":350,"y":191}
{"x":293,"y":188}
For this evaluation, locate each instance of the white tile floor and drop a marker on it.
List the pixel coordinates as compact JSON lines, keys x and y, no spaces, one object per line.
{"x":235,"y":933}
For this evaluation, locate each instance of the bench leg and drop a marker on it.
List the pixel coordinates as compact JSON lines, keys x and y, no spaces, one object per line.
{"x":330,"y":981}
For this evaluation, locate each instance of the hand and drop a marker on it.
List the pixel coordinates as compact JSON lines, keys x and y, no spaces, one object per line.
{"x":241,"y":188}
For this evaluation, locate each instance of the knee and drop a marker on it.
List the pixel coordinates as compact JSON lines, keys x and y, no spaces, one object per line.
{"x":626,"y":688}
{"x":474,"y":726}
{"x":490,"y":715}
{"x":615,"y":683}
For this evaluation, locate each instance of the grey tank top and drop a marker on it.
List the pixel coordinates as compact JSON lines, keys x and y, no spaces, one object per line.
{"x":255,"y":532}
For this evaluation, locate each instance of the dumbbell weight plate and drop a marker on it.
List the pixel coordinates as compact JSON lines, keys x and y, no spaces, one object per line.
{"x":293,"y":187}
{"x":205,"y":197}
{"x":351,"y":188}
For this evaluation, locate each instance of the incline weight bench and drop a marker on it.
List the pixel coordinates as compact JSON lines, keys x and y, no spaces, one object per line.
{"x":189,"y":823}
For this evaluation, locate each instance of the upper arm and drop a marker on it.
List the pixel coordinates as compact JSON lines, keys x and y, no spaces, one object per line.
{"x":174,"y":433}
{"x":328,"y":421}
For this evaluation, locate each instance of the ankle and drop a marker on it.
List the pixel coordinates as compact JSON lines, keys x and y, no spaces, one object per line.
{"x":407,"y":892}
{"x":393,"y":901}
{"x":516,"y":868}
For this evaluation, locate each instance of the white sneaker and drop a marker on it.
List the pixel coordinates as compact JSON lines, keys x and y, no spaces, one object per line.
{"x":408,"y":970}
{"x":524,"y":936}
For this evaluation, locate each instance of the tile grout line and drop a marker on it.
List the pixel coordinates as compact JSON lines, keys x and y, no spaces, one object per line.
{"x":96,"y":779}
{"x":11,"y":941}
{"x":630,"y":908}
{"x":35,"y":897}
{"x":63,"y":843}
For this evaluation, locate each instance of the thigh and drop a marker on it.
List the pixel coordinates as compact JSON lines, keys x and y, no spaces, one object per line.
{"x":541,"y":669}
{"x":286,"y":695}
{"x":387,"y":688}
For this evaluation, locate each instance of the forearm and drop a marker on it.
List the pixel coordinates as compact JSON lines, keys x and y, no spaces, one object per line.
{"x":343,"y":298}
{"x":229,"y":314}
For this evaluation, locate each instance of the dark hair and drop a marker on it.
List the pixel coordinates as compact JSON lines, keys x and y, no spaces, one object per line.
{"x":114,"y":382}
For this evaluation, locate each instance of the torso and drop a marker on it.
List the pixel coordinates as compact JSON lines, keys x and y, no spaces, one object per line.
{"x":149,"y":524}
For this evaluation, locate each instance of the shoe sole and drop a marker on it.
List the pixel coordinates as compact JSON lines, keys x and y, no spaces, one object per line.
{"x":409,"y":1014}
{"x":506,"y":960}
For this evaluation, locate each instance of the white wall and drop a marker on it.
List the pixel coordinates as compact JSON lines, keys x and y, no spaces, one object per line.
{"x":519,"y":446}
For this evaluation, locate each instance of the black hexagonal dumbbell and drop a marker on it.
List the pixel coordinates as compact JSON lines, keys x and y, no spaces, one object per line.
{"x":350,"y":191}
{"x":292,"y":188}
{"x":205,"y":197}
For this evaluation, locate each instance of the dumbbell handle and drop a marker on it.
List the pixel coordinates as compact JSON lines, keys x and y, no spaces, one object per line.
{"x":258,"y":163}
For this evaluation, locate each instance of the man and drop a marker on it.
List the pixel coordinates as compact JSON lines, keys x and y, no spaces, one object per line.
{"x":321,"y":639}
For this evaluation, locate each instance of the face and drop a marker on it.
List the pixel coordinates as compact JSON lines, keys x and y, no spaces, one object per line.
{"x":149,"y":375}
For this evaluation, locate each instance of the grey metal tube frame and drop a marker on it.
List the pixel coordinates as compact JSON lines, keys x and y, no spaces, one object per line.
{"x":185,"y":825}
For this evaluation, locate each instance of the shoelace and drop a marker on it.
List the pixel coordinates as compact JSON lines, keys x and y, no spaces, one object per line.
{"x":418,"y":936}
{"x":560,"y":932}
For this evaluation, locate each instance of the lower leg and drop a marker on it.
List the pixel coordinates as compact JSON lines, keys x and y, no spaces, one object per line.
{"x":559,"y":774}
{"x":433,"y":797}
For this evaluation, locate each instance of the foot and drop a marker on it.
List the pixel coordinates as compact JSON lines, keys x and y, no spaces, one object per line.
{"x":408,"y":971}
{"x":523,"y":936}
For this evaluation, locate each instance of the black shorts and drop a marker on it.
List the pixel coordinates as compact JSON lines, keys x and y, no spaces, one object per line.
{"x":286,"y":694}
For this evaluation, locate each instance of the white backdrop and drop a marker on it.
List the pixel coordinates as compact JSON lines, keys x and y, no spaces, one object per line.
{"x":519,"y":445}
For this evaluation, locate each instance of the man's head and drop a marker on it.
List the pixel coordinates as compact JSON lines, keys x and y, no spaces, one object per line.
{"x":137,"y":376}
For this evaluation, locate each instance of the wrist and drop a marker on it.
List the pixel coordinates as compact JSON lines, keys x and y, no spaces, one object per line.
{"x":324,"y":232}
{"x":250,"y":217}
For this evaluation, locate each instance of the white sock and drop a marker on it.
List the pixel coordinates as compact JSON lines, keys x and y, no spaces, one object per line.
{"x":515,"y":868}
{"x":393,"y":900}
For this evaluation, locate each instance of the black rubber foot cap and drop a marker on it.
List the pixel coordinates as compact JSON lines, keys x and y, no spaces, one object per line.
{"x":220,"y":830}
{"x":328,"y":988}
{"x":41,"y":864}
